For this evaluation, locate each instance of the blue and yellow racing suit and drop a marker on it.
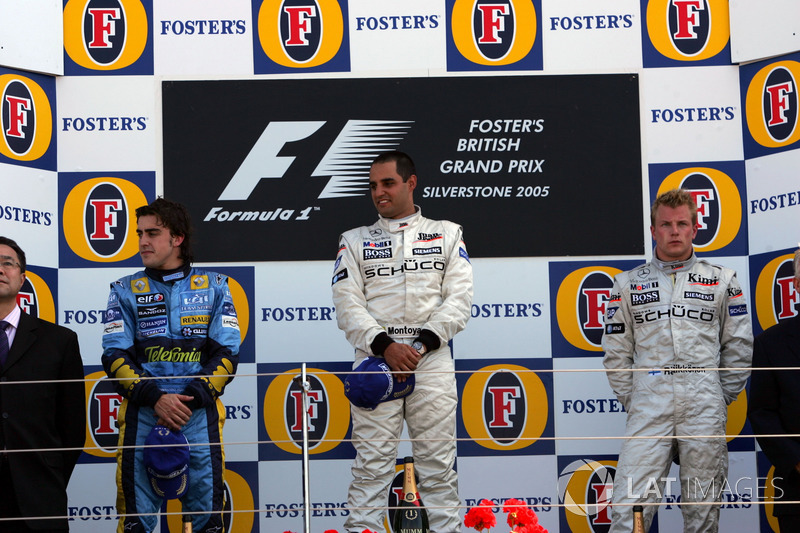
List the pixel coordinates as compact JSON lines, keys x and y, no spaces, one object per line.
{"x":164,"y":324}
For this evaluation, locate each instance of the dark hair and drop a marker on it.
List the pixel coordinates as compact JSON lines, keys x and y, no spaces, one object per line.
{"x":174,"y":217}
{"x":14,"y":246}
{"x":674,"y":198}
{"x":403,"y":162}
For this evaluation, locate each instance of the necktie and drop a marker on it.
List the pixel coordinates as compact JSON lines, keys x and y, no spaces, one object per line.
{"x":3,"y":342}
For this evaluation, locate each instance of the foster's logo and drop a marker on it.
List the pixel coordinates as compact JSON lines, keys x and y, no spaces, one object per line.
{"x":309,"y":33}
{"x":105,"y":35}
{"x":99,"y":217}
{"x":581,"y":304}
{"x":505,"y":407}
{"x":687,"y":30}
{"x":26,"y":119}
{"x":772,"y":107}
{"x":776,"y":298}
{"x":494,"y":32}
{"x":102,"y":403}
{"x":328,"y":412}
{"x":719,"y":204}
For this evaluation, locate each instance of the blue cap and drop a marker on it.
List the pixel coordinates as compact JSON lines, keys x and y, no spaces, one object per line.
{"x":373,"y":383}
{"x":167,"y":466}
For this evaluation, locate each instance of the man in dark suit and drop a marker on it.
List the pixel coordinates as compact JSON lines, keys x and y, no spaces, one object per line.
{"x":774,"y":408}
{"x":44,"y":416}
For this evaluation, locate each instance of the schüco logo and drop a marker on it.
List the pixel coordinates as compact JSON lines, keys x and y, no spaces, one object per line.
{"x":105,"y":34}
{"x":36,"y":299}
{"x":238,"y":514}
{"x":99,"y":217}
{"x":494,"y":32}
{"x":776,"y":298}
{"x":585,"y":487}
{"x":26,"y":118}
{"x":102,"y":410}
{"x":688,"y":30}
{"x":719,"y":204}
{"x":773,"y":106}
{"x":309,"y":32}
{"x":581,"y":305}
{"x":504,"y":407}
{"x":328,"y":411}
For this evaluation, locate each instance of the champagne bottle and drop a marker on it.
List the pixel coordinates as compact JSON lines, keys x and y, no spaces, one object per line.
{"x":638,"y":519}
{"x":411,"y":517}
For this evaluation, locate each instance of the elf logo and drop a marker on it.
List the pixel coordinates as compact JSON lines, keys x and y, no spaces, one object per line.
{"x":719,"y":204}
{"x":36,"y":299}
{"x":26,"y":118}
{"x":772,"y":105}
{"x":494,"y":32}
{"x":585,"y":487}
{"x":99,"y":217}
{"x":688,"y":30}
{"x":105,"y":34}
{"x":776,"y":298}
{"x":328,"y":412}
{"x":504,"y":407}
{"x":581,"y":304}
{"x":102,"y":404}
{"x":309,"y":32}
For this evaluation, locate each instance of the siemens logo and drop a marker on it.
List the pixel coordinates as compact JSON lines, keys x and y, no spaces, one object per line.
{"x":427,"y":251}
{"x":28,"y":216}
{"x":397,"y":22}
{"x":203,"y":27}
{"x":699,"y":296}
{"x":692,"y":114}
{"x":104,"y":124}
{"x":592,"y":22}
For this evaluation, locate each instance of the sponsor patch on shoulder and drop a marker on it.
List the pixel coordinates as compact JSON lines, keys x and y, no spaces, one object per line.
{"x":339,"y":276}
{"x":463,"y":253}
{"x":736,"y":310}
{"x":611,"y":312}
{"x":614,"y":329}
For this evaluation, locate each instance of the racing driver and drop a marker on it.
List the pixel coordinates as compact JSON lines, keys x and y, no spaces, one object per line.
{"x":402,"y":288}
{"x":678,"y":319}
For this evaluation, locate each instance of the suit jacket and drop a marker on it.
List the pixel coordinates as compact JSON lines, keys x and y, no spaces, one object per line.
{"x":774,"y":405}
{"x":47,"y":415}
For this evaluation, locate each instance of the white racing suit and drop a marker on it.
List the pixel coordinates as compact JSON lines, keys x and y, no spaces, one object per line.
{"x":405,"y":280}
{"x":676,"y":319}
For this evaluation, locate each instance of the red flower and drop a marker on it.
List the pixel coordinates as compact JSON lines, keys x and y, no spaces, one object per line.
{"x":481,"y":517}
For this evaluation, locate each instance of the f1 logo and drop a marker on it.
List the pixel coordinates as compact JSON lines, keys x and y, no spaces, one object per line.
{"x":103,"y":26}
{"x":492,"y":22}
